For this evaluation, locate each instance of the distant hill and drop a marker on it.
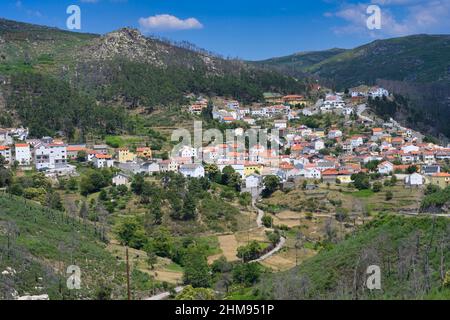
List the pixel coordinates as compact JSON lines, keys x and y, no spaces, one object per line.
{"x":120,"y":70}
{"x":417,"y":58}
{"x":298,"y":63}
{"x":409,"y":251}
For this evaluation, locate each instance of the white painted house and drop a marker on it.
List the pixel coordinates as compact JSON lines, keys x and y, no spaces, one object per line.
{"x":252,"y":181}
{"x":414,"y":179}
{"x":23,"y":154}
{"x":50,"y":156}
{"x":192,"y":170}
{"x":385,"y":167}
{"x":120,"y":180}
{"x":5,"y":152}
{"x":312,"y":174}
{"x":103,"y":161}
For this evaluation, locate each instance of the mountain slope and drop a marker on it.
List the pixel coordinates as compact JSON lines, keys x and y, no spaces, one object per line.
{"x":418,"y":58}
{"x":298,"y":63}
{"x":119,"y":70}
{"x":411,"y":253}
{"x":38,"y":244}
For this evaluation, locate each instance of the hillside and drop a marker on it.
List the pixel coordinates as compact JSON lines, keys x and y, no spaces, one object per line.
{"x":111,"y":75}
{"x":297,"y":64}
{"x":38,"y":244}
{"x":412,"y":253}
{"x":418,"y":58}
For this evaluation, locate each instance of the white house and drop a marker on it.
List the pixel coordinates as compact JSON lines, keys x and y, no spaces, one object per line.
{"x":23,"y":154}
{"x":50,"y":156}
{"x":385,"y":167}
{"x":378,"y":92}
{"x":414,"y":179}
{"x":333,"y":134}
{"x":312,"y":174}
{"x":187,"y":152}
{"x":280,"y":124}
{"x":5,"y":152}
{"x":192,"y":170}
{"x":151,"y":167}
{"x":356,"y":141}
{"x":319,"y":145}
{"x":103,"y":161}
{"x":120,"y":180}
{"x":252,"y":181}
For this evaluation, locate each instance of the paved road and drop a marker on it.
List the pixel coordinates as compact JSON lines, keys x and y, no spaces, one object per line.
{"x":164,"y":295}
{"x":277,"y":248}
{"x":360,"y":110}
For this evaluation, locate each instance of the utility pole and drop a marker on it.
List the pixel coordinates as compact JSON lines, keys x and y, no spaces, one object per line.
{"x":128,"y":274}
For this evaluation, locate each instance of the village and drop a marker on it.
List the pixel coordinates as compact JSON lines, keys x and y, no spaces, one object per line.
{"x":330,"y":154}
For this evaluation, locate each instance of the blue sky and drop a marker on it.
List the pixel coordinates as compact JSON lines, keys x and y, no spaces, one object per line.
{"x":249,"y":29}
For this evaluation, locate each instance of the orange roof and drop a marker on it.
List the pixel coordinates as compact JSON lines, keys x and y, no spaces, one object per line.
{"x":4,"y":148}
{"x":22,"y":145}
{"x":228,"y":118}
{"x":293,"y":96}
{"x":377,"y":130}
{"x":75,"y":148}
{"x":442,"y":175}
{"x":103,"y":156}
{"x":143,"y":149}
{"x":330,"y":172}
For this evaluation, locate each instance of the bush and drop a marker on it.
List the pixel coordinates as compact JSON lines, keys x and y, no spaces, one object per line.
{"x":267,"y":221}
{"x":377,"y":186}
{"x":389,"y":195}
{"x":247,"y":273}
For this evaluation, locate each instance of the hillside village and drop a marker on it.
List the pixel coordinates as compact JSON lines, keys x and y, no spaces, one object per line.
{"x":330,"y":153}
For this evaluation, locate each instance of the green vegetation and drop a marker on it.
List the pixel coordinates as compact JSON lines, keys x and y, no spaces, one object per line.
{"x":409,"y":252}
{"x":436,"y":199}
{"x":39,"y":244}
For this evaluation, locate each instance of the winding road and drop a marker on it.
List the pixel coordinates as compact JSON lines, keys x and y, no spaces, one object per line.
{"x":259,"y":223}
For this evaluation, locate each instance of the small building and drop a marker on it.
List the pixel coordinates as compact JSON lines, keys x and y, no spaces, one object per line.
{"x":72,"y":151}
{"x":151,"y":167}
{"x":144,"y":152}
{"x":312,"y":174}
{"x":441,"y":179}
{"x":103,"y":161}
{"x":101,"y":148}
{"x":121,"y":180}
{"x":23,"y":154}
{"x":5,"y":152}
{"x":253,"y":181}
{"x":192,"y":170}
{"x":125,"y":155}
{"x":385,"y":167}
{"x":430,"y":170}
{"x":414,"y":179}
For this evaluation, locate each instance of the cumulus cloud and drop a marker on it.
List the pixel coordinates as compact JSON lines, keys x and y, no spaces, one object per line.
{"x":166,"y":22}
{"x":419,"y":17}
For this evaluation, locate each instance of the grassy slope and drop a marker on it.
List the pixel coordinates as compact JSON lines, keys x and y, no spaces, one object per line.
{"x":299,"y":62}
{"x":44,"y":242}
{"x":330,"y":274}
{"x":421,"y":58}
{"x":418,"y":58}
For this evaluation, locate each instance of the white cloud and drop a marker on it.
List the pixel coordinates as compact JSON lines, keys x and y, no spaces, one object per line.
{"x":163,"y":22}
{"x":419,"y":17}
